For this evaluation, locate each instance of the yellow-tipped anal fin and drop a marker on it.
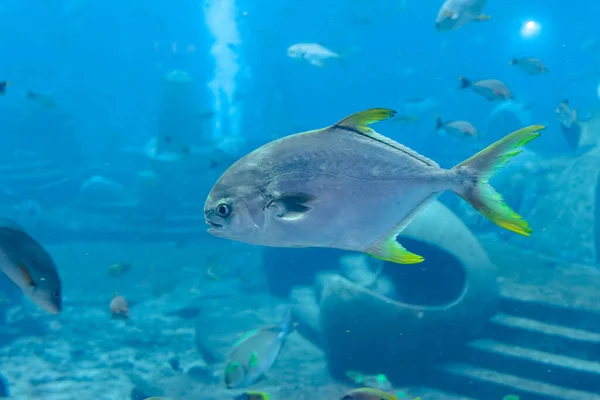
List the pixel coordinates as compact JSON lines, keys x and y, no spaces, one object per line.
{"x":390,"y":250}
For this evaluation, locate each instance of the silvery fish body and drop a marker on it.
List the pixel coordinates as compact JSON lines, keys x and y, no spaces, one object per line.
{"x":360,"y":188}
{"x":347,"y":187}
{"x":25,"y":262}
{"x":254,"y":354}
{"x":314,"y":53}
{"x":456,"y":13}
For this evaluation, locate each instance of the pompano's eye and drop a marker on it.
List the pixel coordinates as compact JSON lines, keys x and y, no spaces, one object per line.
{"x":223,"y":210}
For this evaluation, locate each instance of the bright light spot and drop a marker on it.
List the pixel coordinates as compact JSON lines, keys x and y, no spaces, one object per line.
{"x":530,"y":29}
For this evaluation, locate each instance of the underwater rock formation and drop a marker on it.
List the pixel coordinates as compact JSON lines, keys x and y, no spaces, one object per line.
{"x":439,"y":304}
{"x":566,"y":214}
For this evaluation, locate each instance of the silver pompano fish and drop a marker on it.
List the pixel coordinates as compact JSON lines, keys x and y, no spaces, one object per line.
{"x":348,"y":187}
{"x":255,"y":353}
{"x":314,"y":53}
{"x":456,"y":13}
{"x":25,"y":262}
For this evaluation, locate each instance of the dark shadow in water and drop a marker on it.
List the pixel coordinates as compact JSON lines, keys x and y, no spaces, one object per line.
{"x":437,"y":281}
{"x":286,"y":268}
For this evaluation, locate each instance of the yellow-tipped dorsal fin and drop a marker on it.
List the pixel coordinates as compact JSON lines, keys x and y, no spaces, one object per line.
{"x":361,"y":120}
{"x":359,"y":124}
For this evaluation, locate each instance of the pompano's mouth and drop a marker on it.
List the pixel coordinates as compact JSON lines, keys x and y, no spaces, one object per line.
{"x":214,"y":224}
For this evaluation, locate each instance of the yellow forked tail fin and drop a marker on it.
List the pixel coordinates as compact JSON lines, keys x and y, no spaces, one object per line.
{"x":479,"y":169}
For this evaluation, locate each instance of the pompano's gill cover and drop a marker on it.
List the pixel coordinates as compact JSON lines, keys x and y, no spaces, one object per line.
{"x":348,"y":187}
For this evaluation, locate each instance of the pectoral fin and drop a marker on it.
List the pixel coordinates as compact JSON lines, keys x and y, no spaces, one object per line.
{"x":291,"y":206}
{"x":253,"y":362}
{"x":27,"y":276}
{"x":389,"y":249}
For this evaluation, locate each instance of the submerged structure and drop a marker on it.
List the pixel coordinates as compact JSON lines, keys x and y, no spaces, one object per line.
{"x":439,"y":304}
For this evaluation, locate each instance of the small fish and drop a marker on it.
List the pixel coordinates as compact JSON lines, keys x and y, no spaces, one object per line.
{"x":119,"y":308}
{"x":569,"y":123}
{"x":314,"y":53}
{"x":3,"y":86}
{"x":456,"y":13}
{"x":530,"y":65}
{"x":214,"y":268}
{"x":456,"y":128}
{"x":366,"y":185}
{"x":511,"y":397}
{"x":491,"y":89}
{"x":368,"y":394}
{"x":119,"y":269}
{"x":25,"y":262}
{"x":218,"y":270}
{"x":253,"y":396}
{"x":255,"y":353}
{"x":41,"y":99}
{"x":566,"y":115}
